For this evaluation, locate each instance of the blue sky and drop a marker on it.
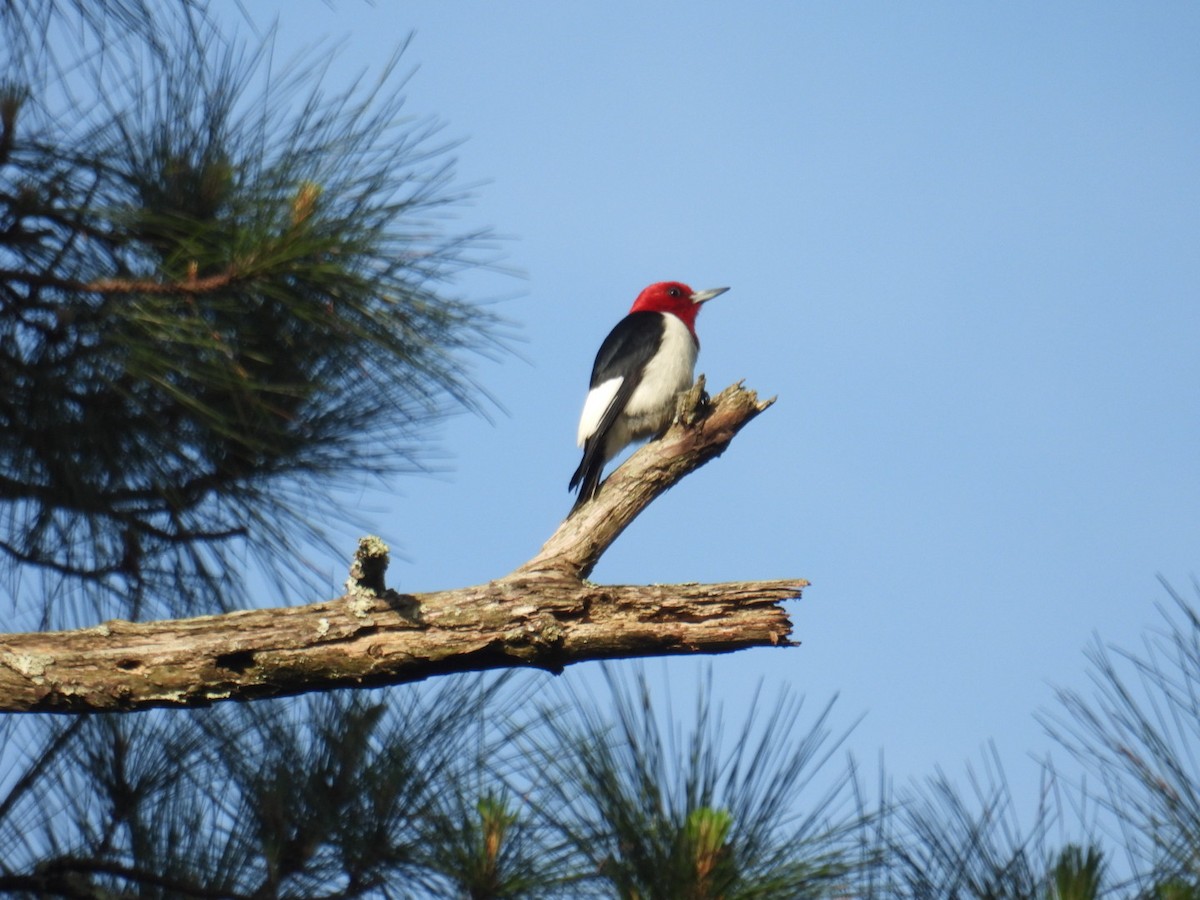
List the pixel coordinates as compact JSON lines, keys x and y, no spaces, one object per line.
{"x":963,"y":242}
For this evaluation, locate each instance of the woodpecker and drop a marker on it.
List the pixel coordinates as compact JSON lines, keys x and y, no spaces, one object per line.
{"x":644,"y":364}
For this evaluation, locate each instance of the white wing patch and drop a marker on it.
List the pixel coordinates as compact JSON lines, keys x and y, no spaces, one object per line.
{"x":594,"y":407}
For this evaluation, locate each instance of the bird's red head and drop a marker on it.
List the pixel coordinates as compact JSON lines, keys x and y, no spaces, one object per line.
{"x":676,"y":298}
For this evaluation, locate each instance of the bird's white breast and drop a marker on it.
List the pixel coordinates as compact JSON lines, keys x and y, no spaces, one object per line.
{"x":668,"y":373}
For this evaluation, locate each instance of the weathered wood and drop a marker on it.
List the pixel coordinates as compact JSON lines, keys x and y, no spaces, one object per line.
{"x":704,"y":429}
{"x":544,"y":614}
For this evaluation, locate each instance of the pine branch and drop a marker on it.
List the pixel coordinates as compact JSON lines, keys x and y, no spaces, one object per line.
{"x":543,"y":614}
{"x":192,"y":284}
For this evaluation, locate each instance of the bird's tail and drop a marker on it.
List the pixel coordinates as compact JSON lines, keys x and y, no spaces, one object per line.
{"x":587,"y":476}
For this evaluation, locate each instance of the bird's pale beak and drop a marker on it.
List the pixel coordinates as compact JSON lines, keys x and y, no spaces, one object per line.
{"x":704,"y":296}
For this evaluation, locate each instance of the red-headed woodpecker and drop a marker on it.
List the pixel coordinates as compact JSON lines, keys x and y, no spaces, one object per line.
{"x":644,"y":364}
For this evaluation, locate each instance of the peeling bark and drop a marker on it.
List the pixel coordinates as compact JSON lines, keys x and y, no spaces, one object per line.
{"x":543,"y":614}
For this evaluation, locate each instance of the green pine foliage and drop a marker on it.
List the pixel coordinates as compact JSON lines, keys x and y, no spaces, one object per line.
{"x":1138,"y":734}
{"x":218,"y":281}
{"x":1077,"y":875}
{"x":656,"y":812}
{"x":341,"y":795}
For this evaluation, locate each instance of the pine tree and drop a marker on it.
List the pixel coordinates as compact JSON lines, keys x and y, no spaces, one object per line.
{"x":220,"y":285}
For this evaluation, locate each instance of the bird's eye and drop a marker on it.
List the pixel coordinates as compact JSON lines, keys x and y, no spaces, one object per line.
{"x":674,"y":292}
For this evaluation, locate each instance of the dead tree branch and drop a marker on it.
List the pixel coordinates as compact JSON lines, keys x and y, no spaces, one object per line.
{"x":543,"y":614}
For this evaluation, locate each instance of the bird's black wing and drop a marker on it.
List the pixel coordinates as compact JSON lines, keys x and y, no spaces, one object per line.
{"x":627,"y":346}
